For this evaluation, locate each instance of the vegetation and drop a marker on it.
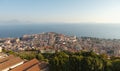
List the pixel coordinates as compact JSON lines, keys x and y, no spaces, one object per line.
{"x":79,"y":61}
{"x":83,"y":61}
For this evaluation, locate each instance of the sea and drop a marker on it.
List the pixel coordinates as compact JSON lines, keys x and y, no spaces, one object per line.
{"x":107,"y":31}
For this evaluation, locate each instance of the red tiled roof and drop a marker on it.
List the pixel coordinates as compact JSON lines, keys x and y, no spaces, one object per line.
{"x":26,"y":65}
{"x":34,"y":68}
{"x":10,"y":62}
{"x":6,"y":59}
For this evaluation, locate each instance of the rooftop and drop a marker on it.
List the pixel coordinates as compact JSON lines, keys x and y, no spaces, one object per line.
{"x":28,"y":66}
{"x":9,"y":62}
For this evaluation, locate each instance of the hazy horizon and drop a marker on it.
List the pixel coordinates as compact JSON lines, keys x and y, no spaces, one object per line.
{"x":94,"y":18}
{"x":86,"y":30}
{"x":63,"y":11}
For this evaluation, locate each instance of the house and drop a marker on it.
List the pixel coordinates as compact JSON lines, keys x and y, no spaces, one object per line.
{"x":10,"y":62}
{"x":32,"y":65}
{"x":0,"y":49}
{"x":47,"y":51}
{"x":28,"y":66}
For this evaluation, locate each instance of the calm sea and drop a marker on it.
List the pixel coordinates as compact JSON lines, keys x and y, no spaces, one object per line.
{"x":87,"y":30}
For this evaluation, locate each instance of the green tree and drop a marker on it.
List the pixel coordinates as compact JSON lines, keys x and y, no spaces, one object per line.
{"x":75,"y":63}
{"x":116,"y":65}
{"x":40,"y":56}
{"x":60,"y":62}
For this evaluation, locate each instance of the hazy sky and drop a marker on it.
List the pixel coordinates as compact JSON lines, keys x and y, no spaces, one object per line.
{"x":68,"y":11}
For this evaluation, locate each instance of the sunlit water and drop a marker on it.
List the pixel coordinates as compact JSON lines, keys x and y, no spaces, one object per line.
{"x":90,"y":30}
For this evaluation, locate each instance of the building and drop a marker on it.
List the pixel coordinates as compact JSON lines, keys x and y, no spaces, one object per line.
{"x":32,"y":65}
{"x":26,"y":65}
{"x":47,"y":51}
{"x":10,"y":62}
{"x":116,"y":51}
{"x":0,"y":49}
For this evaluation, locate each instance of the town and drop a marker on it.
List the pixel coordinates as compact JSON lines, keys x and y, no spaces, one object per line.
{"x":51,"y":42}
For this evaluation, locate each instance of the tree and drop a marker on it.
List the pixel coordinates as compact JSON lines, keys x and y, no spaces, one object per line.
{"x":59,"y":62}
{"x":40,"y":56}
{"x":116,"y":65}
{"x":75,"y":63}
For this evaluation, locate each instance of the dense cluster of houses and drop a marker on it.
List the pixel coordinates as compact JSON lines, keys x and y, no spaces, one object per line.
{"x":52,"y":42}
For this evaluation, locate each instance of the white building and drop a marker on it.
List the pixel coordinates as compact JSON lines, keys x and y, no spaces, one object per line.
{"x":0,"y":49}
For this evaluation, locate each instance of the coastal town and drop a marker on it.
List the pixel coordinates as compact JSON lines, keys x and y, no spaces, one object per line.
{"x":59,"y":35}
{"x":52,"y":42}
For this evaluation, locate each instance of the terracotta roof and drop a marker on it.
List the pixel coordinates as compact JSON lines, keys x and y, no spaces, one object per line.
{"x":6,"y":58}
{"x":26,"y":65}
{"x":34,"y":68}
{"x":10,"y":62}
{"x":43,"y":66}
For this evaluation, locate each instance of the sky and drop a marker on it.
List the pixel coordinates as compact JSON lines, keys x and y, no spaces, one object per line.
{"x":65,"y":11}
